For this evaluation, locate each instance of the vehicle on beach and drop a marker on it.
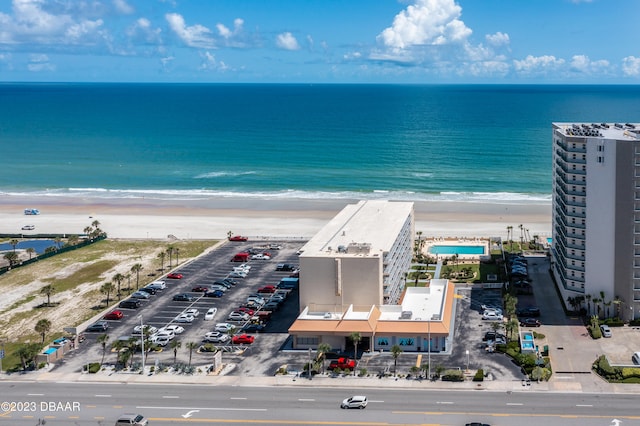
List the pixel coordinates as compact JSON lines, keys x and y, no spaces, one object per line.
{"x":28,"y":227}
{"x":238,"y":238}
{"x":30,"y":212}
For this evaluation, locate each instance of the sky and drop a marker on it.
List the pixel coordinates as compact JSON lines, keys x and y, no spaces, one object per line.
{"x":321,"y":41}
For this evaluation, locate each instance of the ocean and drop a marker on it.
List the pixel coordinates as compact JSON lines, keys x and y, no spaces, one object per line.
{"x":197,"y":141}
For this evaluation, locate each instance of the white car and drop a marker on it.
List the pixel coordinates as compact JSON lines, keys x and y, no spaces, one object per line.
{"x":260,"y":256}
{"x":492,"y":315}
{"x":148,"y":329}
{"x":237,"y":274}
{"x":140,"y":295}
{"x":257,"y":300}
{"x":158,"y":285}
{"x":216,"y":337}
{"x":214,"y":287}
{"x":238,"y":316}
{"x":211,"y":313}
{"x":192,"y":311}
{"x":224,"y":327}
{"x":184,"y":318}
{"x":28,"y":227}
{"x":244,"y":266}
{"x":175,"y":328}
{"x":275,"y":247}
{"x":160,"y":340}
{"x":165,"y":333}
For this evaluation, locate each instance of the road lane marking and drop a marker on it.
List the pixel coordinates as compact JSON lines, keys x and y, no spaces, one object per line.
{"x":199,"y":408}
{"x":171,"y":397}
{"x":444,"y":402}
{"x":35,"y":394}
{"x":237,"y":397}
{"x":584,"y":405}
{"x":514,"y":403}
{"x":102,"y":396}
{"x":306,"y":399}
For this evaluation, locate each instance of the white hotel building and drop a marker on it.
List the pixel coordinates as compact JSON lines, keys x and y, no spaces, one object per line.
{"x":596,"y":212}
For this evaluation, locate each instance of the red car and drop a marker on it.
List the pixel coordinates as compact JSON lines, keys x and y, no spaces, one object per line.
{"x":267,"y":289}
{"x":238,"y":238}
{"x":245,"y":310}
{"x":200,"y":289}
{"x":175,"y":276}
{"x":343,"y":364}
{"x":242,"y":339}
{"x":114,"y":315}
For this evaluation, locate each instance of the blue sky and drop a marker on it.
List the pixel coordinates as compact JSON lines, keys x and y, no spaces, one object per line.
{"x":321,"y":41}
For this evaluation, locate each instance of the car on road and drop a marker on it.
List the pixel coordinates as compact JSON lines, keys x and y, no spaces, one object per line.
{"x":114,"y":315}
{"x":211,"y":313}
{"x":606,"y":330}
{"x":214,"y":293}
{"x":28,"y":227}
{"x":238,"y":238}
{"x":238,"y":316}
{"x":132,"y":420}
{"x":530,"y":322}
{"x":175,"y":276}
{"x":216,"y":337}
{"x":356,"y":401}
{"x":476,"y":424}
{"x":183,"y":297}
{"x":260,"y":256}
{"x":176,"y":329}
{"x":224,"y":327}
{"x":98,"y":327}
{"x":492,"y":316}
{"x":285,"y":267}
{"x":184,"y":318}
{"x":242,"y":339}
{"x":140,"y":295}
{"x":342,"y":363}
{"x":158,"y":285}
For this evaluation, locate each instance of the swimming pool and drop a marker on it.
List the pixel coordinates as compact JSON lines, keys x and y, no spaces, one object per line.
{"x":456,"y":249}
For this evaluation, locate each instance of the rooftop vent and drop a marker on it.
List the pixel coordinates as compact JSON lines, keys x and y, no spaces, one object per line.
{"x":342,"y":249}
{"x":406,"y":315}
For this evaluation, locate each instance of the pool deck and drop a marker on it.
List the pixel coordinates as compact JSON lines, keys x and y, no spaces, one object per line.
{"x":462,"y":242}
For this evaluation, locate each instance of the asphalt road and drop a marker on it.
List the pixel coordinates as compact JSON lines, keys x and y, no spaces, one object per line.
{"x":100,"y":404}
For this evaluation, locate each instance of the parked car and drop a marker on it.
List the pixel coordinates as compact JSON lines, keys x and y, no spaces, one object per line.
{"x":267,"y":289}
{"x":238,"y":238}
{"x":192,"y":311}
{"x":114,"y":315}
{"x":175,"y":328}
{"x":252,"y":328}
{"x":152,"y":287}
{"x":201,"y":288}
{"x":245,"y":310}
{"x":530,"y":322}
{"x":285,"y":267}
{"x":492,"y":316}
{"x":211,"y":313}
{"x":477,"y":424}
{"x":149,"y":290}
{"x":224,"y":327}
{"x":148,"y":330}
{"x":161,"y":285}
{"x":275,"y":247}
{"x":214,"y":287}
{"x":175,"y":276}
{"x":222,"y":283}
{"x":238,"y":274}
{"x":238,"y":316}
{"x":216,"y":337}
{"x":356,"y":401}
{"x":129,"y":304}
{"x":635,"y":358}
{"x":343,"y":363}
{"x":271,"y":306}
{"x":529,"y":311}
{"x":242,"y":339}
{"x":256,"y":299}
{"x":260,"y":256}
{"x":98,"y":327}
{"x":183,"y":297}
{"x":184,"y":318}
{"x":165,"y":333}
{"x":140,"y":295}
{"x":606,"y":330}
{"x":230,"y":281}
{"x":214,"y":293}
{"x":162,"y":340}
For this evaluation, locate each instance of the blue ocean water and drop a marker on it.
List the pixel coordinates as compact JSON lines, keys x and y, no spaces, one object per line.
{"x":404,"y":142}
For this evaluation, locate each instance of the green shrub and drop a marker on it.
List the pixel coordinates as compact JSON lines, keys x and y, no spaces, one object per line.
{"x":363,"y":372}
{"x":628,"y":372}
{"x":613,"y":322}
{"x":452,"y":376}
{"x":94,"y":367}
{"x":479,"y":376}
{"x":538,"y":336}
{"x":634,"y":322}
{"x":595,"y":332}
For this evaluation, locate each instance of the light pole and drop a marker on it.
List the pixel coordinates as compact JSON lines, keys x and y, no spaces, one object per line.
{"x":429,"y":351}
{"x":142,"y":341}
{"x":467,"y":360}
{"x":309,"y":366}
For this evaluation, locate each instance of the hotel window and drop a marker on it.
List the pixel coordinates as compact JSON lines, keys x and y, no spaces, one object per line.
{"x":383,"y":341}
{"x":405,"y":342}
{"x":307,"y":340}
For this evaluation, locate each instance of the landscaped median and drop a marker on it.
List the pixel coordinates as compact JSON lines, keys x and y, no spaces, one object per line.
{"x":615,"y":374}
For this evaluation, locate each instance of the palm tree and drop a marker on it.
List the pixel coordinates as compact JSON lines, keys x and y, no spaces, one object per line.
{"x":161,"y":256}
{"x":107,"y":288}
{"x":355,"y":338}
{"x":607,"y":305}
{"x":588,"y":298}
{"x":14,"y":243}
{"x":103,"y":339}
{"x":596,"y":304}
{"x":30,"y":251}
{"x":191,"y":346}
{"x":617,"y":302}
{"x":72,"y":240}
{"x":48,"y":290}
{"x":175,"y":345}
{"x":11,"y":257}
{"x":177,"y":250}
{"x":510,"y":326}
{"x":170,"y":254}
{"x":323,"y":348}
{"x":137,"y":268}
{"x":27,"y":353}
{"x":395,"y":353}
{"x":118,"y":278}
{"x":521,"y":236}
{"x":509,"y":231}
{"x":42,"y":327}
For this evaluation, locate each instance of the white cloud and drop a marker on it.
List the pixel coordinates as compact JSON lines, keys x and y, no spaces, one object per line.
{"x":428,"y":22}
{"x":631,"y":66}
{"x":123,"y":7}
{"x":225,"y":32}
{"x":209,"y":63}
{"x":582,"y":64}
{"x":538,"y":64}
{"x":498,"y":39}
{"x":287,"y":41}
{"x":193,"y":36}
{"x":143,"y":31}
{"x":40,"y":62}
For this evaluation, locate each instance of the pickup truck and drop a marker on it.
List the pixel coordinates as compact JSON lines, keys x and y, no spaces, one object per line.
{"x":343,"y":364}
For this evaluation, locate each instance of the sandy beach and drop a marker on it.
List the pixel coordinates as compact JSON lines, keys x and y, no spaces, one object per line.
{"x":142,"y":218}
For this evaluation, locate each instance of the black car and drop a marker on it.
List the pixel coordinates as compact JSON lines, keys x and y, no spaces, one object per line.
{"x":130,"y":304}
{"x":148,"y":290}
{"x":529,"y":312}
{"x":230,"y":281}
{"x":286,"y":267}
{"x":252,"y":328}
{"x":223,"y":283}
{"x":98,"y":327}
{"x":183,"y":297}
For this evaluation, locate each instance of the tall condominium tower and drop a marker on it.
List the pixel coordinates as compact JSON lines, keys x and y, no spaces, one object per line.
{"x":596,"y":215}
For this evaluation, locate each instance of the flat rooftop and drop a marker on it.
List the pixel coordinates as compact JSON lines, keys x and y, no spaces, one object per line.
{"x":418,"y":304}
{"x":368,"y":228}
{"x":618,"y":131}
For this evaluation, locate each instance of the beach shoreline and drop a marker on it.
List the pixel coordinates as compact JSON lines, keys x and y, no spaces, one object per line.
{"x":291,"y":218}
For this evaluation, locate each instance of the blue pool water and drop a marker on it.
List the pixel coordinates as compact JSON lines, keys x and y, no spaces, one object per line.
{"x":549,"y":240}
{"x":527,"y":345}
{"x":38,"y":245}
{"x":438,"y":249}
